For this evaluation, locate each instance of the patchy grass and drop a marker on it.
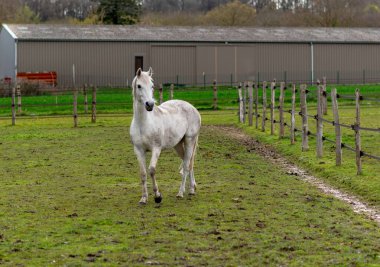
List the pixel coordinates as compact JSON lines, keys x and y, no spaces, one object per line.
{"x":366,"y":185}
{"x":69,"y":197}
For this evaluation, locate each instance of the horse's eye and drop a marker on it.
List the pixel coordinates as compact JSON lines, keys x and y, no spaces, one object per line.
{"x":139,"y":86}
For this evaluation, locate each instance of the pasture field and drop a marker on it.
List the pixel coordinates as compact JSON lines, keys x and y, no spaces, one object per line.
{"x":366,"y":185}
{"x":70,"y":197}
{"x":120,"y":100}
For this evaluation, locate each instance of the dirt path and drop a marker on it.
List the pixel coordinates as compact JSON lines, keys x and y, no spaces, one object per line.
{"x":268,"y":152}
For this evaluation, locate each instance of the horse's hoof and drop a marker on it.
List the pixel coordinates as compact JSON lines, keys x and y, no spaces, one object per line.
{"x":180,"y":195}
{"x":143,"y":201}
{"x":158,"y":199}
{"x":192,"y":192}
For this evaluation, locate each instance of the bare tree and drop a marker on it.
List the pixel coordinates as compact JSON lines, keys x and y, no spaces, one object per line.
{"x":7,"y":9}
{"x":61,"y":9}
{"x":231,"y":14}
{"x":333,"y":13}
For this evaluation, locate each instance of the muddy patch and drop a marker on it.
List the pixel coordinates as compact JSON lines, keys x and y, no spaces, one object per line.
{"x":266,"y":151}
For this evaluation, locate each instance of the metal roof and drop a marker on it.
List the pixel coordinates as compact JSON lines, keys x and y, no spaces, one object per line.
{"x":44,"y":32}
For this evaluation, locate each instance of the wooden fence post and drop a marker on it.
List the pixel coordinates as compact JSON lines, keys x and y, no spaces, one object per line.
{"x":160,"y":91}
{"x":338,"y":135}
{"x":257,"y":104}
{"x":172,"y":91}
{"x":244,"y":92}
{"x":19,"y":108}
{"x":305,"y":125}
{"x":281,"y":110}
{"x":319,"y":122}
{"x":293,"y":119}
{"x":75,"y":107}
{"x":250,"y":103}
{"x":324,"y":105}
{"x":215,"y":95}
{"x":93,"y":113}
{"x":357,"y":133}
{"x":13,"y":106}
{"x":264,"y":106}
{"x":272,"y":105}
{"x":85,"y":99}
{"x":241,"y":106}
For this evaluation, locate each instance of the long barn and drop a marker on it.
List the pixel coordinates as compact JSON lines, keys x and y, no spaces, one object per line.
{"x":110,"y":55}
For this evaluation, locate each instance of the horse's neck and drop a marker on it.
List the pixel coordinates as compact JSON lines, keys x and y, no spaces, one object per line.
{"x":140,"y":115}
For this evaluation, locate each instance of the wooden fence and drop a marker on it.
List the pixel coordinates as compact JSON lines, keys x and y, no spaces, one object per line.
{"x":16,"y":96}
{"x":322,"y":109}
{"x":87,"y":91}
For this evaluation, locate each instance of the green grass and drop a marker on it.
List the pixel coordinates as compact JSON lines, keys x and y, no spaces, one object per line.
{"x":120,"y":100}
{"x":366,"y":185}
{"x":114,"y":101}
{"x":70,"y":197}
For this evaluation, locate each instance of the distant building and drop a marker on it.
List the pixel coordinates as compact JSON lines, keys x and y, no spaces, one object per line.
{"x":110,"y":55}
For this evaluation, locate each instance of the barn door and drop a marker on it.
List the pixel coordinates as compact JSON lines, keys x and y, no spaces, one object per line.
{"x":139,"y":63}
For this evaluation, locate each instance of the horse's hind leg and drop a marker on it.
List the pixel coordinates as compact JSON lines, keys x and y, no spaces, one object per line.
{"x":179,"y":148}
{"x":193,"y":184}
{"x":189,"y":144}
{"x":152,"y":170}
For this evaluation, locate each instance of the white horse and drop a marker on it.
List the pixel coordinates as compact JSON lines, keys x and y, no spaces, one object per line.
{"x":174,"y":123}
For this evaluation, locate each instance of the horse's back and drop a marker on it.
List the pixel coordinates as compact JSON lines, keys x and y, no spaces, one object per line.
{"x":184,"y":110}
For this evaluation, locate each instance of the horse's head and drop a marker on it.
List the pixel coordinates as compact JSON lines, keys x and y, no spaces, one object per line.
{"x":142,"y":87}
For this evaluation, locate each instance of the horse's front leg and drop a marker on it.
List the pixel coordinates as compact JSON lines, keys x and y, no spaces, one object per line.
{"x":152,"y":170}
{"x":140,"y":153}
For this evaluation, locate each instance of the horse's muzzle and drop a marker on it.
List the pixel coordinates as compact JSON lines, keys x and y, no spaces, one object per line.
{"x":149,"y":105}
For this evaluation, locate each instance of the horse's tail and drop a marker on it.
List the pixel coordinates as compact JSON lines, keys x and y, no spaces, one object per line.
{"x":192,"y":159}
{"x":193,"y":154}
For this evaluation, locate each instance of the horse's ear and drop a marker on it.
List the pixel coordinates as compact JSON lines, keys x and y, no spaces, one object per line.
{"x":150,"y":71}
{"x":138,"y":72}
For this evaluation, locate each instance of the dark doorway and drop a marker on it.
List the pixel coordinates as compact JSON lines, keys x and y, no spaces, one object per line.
{"x":139,"y":63}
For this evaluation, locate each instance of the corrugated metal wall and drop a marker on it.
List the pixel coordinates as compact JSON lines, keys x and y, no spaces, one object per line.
{"x":206,"y":64}
{"x":98,"y":63}
{"x":348,"y":63}
{"x":284,"y":62}
{"x":7,"y":55}
{"x":174,"y":62}
{"x":112,"y":63}
{"x":233,"y":63}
